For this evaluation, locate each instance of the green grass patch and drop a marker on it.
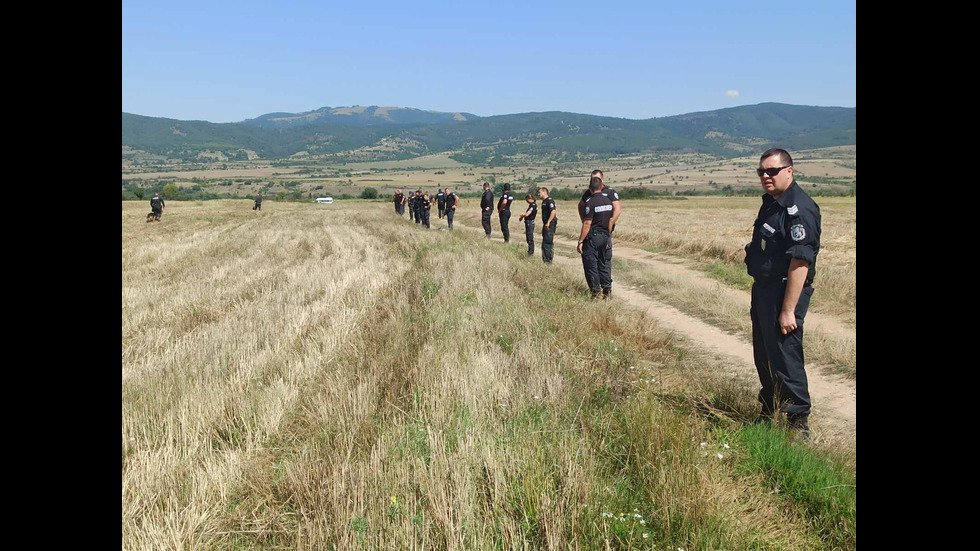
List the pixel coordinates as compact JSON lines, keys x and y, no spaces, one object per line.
{"x":818,"y":483}
{"x":734,"y":275}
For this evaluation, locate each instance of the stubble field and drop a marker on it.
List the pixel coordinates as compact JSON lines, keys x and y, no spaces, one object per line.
{"x":333,"y":376}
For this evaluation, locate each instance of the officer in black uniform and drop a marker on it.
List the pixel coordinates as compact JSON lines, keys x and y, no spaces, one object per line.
{"x":441,"y":200}
{"x":595,"y":241}
{"x":503,"y":209}
{"x":451,"y":202}
{"x":486,"y":206}
{"x":782,"y":258}
{"x":156,"y":206}
{"x":426,"y":207}
{"x":411,"y":205}
{"x":549,"y":216}
{"x":528,"y":218}
{"x":258,"y":202}
{"x":607,"y":191}
{"x":399,"y":199}
{"x":417,"y":210}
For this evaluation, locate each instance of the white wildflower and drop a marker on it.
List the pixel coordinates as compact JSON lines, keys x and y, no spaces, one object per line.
{"x":645,"y":535}
{"x":720,"y":456}
{"x":643,"y":522}
{"x":704,"y":445}
{"x":726,"y":446}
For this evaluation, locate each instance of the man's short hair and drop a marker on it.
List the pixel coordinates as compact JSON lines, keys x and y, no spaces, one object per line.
{"x":486,"y":185}
{"x":506,"y":187}
{"x":782,"y":153}
{"x":594,"y":172}
{"x":543,"y":189}
{"x":529,"y":196}
{"x":595,"y":184}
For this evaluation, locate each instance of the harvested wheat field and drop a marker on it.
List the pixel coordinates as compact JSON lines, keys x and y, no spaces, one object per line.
{"x":337,"y":377}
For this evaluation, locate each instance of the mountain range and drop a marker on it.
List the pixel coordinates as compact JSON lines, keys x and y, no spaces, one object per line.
{"x":384,"y":133}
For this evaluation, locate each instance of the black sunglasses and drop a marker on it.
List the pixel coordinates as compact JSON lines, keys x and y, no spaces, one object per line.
{"x":772,"y":172}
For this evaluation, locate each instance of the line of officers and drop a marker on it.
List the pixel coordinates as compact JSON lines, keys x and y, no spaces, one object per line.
{"x":599,"y":210}
{"x":781,"y":258}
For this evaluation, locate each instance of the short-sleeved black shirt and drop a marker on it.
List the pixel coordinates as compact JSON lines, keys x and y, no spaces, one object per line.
{"x":532,"y":211}
{"x":510,"y":201}
{"x":487,"y":200}
{"x":599,"y":209}
{"x":786,"y":228}
{"x":398,"y":198}
{"x":426,"y":203}
{"x":450,"y":200}
{"x":606,"y":190}
{"x":441,"y":197}
{"x":547,"y":206}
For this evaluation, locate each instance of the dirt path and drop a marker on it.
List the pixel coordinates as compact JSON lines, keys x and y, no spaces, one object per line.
{"x":834,"y":415}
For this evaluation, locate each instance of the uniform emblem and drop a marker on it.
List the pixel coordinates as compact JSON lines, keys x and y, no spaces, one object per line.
{"x":792,"y":210}
{"x":586,"y":210}
{"x":797,"y":232}
{"x":616,"y":195}
{"x":763,"y":244}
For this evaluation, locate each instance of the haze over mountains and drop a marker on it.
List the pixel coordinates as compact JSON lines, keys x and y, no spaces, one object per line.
{"x":383,"y":133}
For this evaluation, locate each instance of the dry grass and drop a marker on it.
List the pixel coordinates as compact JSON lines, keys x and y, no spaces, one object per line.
{"x":312,"y":378}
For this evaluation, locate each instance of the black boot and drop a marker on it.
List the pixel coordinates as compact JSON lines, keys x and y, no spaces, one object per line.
{"x":799,"y":425}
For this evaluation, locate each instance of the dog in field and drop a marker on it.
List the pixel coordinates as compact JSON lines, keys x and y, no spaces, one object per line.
{"x":153,"y":217}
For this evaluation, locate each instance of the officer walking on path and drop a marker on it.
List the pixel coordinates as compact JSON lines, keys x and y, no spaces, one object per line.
{"x":486,"y":205}
{"x":258,"y":202}
{"x":441,"y":200}
{"x":451,"y":202}
{"x":399,"y":201}
{"x":607,"y":191}
{"x":528,"y":218}
{"x":549,"y":213}
{"x":503,"y":209}
{"x":157,"y":205}
{"x":595,"y":241}
{"x":782,"y":258}
{"x":417,"y":206}
{"x":426,"y":207}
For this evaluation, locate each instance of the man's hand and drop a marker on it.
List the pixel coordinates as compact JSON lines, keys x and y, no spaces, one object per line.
{"x":787,"y":322}
{"x":580,"y":249}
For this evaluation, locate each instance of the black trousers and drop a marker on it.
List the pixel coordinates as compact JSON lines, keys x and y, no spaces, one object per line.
{"x":548,"y":242}
{"x":442,"y":210}
{"x":597,"y":261}
{"x":418,"y":215}
{"x":398,"y":208}
{"x":505,"y":225}
{"x":778,"y":357}
{"x":425,"y":218}
{"x":486,"y":222}
{"x":449,"y":215}
{"x":529,"y":234}
{"x":257,"y":206}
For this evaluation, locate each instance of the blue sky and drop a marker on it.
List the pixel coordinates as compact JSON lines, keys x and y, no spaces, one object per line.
{"x":225,"y":61}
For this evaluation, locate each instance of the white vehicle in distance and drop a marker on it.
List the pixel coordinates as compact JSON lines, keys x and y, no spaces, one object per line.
{"x":327,"y":200}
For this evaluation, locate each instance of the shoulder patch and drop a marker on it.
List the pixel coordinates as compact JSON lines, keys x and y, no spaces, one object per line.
{"x":586,"y":209}
{"x":797,"y":232}
{"x":792,"y":210}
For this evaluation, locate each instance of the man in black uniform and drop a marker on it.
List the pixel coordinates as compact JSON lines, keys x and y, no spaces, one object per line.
{"x":156,"y":205}
{"x":486,"y":205}
{"x":399,"y":199}
{"x":417,"y":204}
{"x":441,"y":200}
{"x":503,"y":209}
{"x":410,"y":202}
{"x":608,"y":192}
{"x":595,"y":242}
{"x":258,"y":202}
{"x":426,"y":207}
{"x":528,"y":218}
{"x":782,"y":258}
{"x":549,"y":214}
{"x":451,"y":202}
